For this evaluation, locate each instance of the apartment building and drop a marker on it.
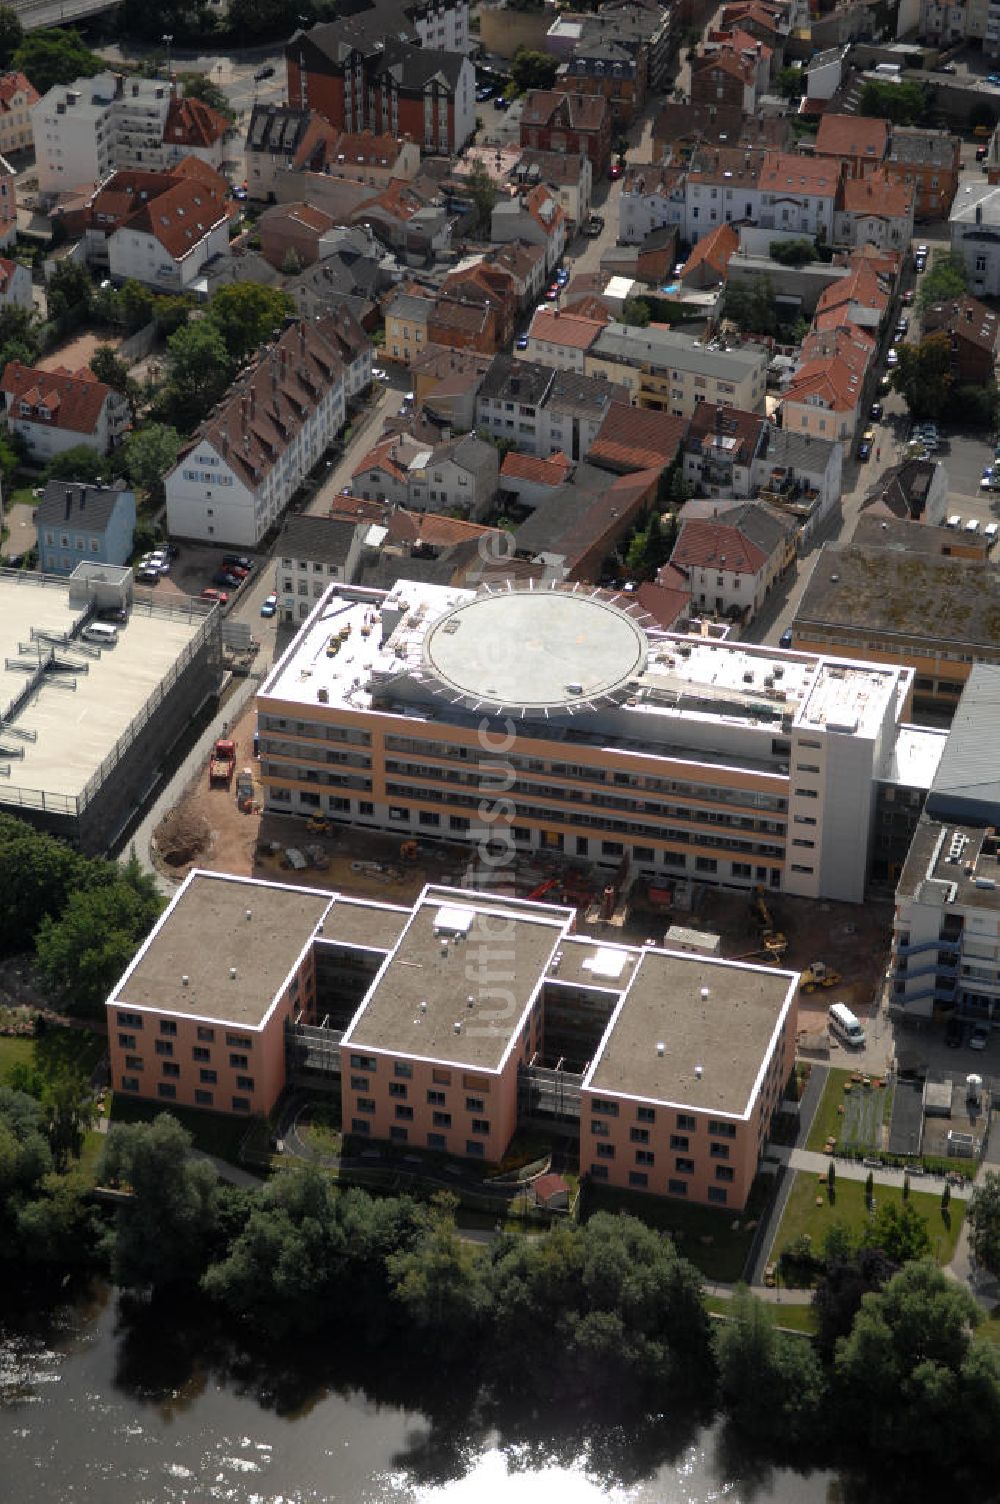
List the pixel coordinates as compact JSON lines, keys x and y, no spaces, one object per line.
{"x":733,"y":559}
{"x":973,"y":332}
{"x":235,"y":478}
{"x":928,"y":162}
{"x":406,"y":319}
{"x":84,"y":130}
{"x":675,"y":372}
{"x":946,"y":930}
{"x":825,"y":396}
{"x":562,"y":340}
{"x":535,"y":217}
{"x":875,"y":210}
{"x":568,"y":122}
{"x":194,"y":129}
{"x":51,"y":411}
{"x":568,"y":175}
{"x":284,"y":139}
{"x":451,"y":1021}
{"x":710,"y":761}
{"x":458,"y":475}
{"x":312,"y":552}
{"x":974,"y":225}
{"x":651,"y":198}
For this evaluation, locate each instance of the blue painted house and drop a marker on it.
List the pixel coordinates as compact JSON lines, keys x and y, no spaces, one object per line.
{"x":77,"y":522}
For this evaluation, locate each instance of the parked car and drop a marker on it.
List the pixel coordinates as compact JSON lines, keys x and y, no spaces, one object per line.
{"x":378,"y":374}
{"x":902,"y":324}
{"x":982,"y":152}
{"x":266,"y":72}
{"x":552,"y":293}
{"x":908,"y":297}
{"x":892,"y":359}
{"x":980,"y":1037}
{"x":240,"y":194}
{"x":946,"y":68}
{"x":147,"y":575}
{"x":876,"y":411}
{"x":269,"y":606}
{"x":616,"y":171}
{"x":522,"y":341}
{"x":987,"y":479}
{"x":864,"y":449}
{"x":919,"y":263}
{"x":486,"y":92}
{"x":993,"y":79}
{"x":220,"y":596}
{"x":785,"y":640}
{"x":171,"y":550}
{"x":223,"y":577}
{"x":499,"y":103}
{"x":243,"y":561}
{"x":562,"y":276}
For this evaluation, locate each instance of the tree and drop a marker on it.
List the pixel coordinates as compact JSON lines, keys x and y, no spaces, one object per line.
{"x":438,"y":1281}
{"x":166,"y":1233}
{"x":149,"y":453}
{"x":111,"y":369}
{"x":81,"y":462}
{"x":483,"y":192}
{"x":19,"y":335}
{"x":903,"y":104}
{"x":976,"y":406}
{"x":137,"y":304}
{"x":55,"y":57}
{"x":246,"y":314}
{"x":199,"y":371}
{"x":770,"y":1382}
{"x":533,"y":70}
{"x":945,"y":278}
{"x":789,"y":83}
{"x":258,"y":18}
{"x":982,"y":1218}
{"x":69,"y":1108}
{"x":831,"y":1179}
{"x":910,"y":1381}
{"x":37,"y":874}
{"x":70,"y":293}
{"x":900,"y":1232}
{"x":792,"y":252}
{"x":923,"y":376}
{"x":751,"y":306}
{"x":291,"y":264}
{"x":869,"y":1190}
{"x":847,"y":1276}
{"x":11,"y":34}
{"x":635,"y":311}
{"x":200,"y":86}
{"x":85,"y":949}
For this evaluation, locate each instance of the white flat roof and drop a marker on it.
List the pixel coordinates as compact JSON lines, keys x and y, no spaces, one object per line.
{"x":70,"y":731}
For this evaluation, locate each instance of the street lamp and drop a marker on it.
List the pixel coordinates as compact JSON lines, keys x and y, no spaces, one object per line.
{"x":168,"y":38}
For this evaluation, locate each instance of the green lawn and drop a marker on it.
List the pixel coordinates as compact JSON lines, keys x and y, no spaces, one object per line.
{"x":213,"y":1132}
{"x":828,"y":1121}
{"x":703,"y":1235}
{"x":802,"y":1215}
{"x":14,"y":1050}
{"x":51,"y":1049}
{"x":794,"y":1318}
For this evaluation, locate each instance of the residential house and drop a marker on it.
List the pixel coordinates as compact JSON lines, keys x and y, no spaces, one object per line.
{"x":235,"y":477}
{"x":51,"y":411}
{"x":825,"y":395}
{"x":8,"y":205}
{"x":928,"y":162}
{"x":485,"y":280}
{"x":577,"y":526}
{"x":973,"y":332}
{"x":525,"y":265}
{"x":411,"y":218}
{"x":544,"y":411}
{"x":874,"y":210}
{"x":364,"y":157}
{"x":620,"y":53}
{"x":15,"y":285}
{"x":80,"y":523}
{"x":800,"y":474}
{"x":631,"y":439}
{"x":567,"y":175}
{"x":535,"y":217}
{"x":708,"y":263}
{"x":459,"y":474}
{"x":764,"y":22}
{"x":824,"y":74}
{"x":180,"y":224}
{"x":681,"y":126}
{"x":18,"y":97}
{"x":974,"y":226}
{"x":570,"y":123}
{"x":667,"y":599}
{"x":561,"y":340}
{"x":407,"y":316}
{"x":575,"y":411}
{"x":733,"y":42}
{"x":733,"y":560}
{"x":530,"y":480}
{"x":861,"y":298}
{"x":292,"y":235}
{"x":651,"y":198}
{"x":732,"y":69}
{"x":799,"y":193}
{"x":913,"y":491}
{"x":84,"y":130}
{"x":468,"y":317}
{"x":675,"y":372}
{"x":720,"y":447}
{"x":362,"y":74}
{"x":283,"y":139}
{"x":446,"y":384}
{"x":309,"y":554}
{"x":194,"y":129}
{"x":721,"y":184}
{"x":859,"y":141}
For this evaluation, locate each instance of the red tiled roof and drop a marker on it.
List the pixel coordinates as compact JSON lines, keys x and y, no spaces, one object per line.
{"x":877,"y":194}
{"x":180,"y":218}
{"x":966,"y":318}
{"x":17,"y":83}
{"x":587,"y":112}
{"x":860,"y":286}
{"x":7,"y":270}
{"x":543,"y":472}
{"x":704,"y":543}
{"x":637,"y":438}
{"x":74,"y":398}
{"x":364,"y":148}
{"x":856,"y":136}
{"x":715,"y":250}
{"x":434,"y":528}
{"x":565,"y":328}
{"x":666,"y":603}
{"x":784,"y":173}
{"x":194,"y":123}
{"x":302,"y":213}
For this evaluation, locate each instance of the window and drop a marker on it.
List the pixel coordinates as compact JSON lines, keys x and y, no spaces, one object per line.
{"x":436,"y":1141}
{"x":363,"y":1063}
{"x":598,"y":1172}
{"x":239,"y":1041}
{"x":684,"y":1166}
{"x":474,"y":1104}
{"x":203,"y":1098}
{"x":598,"y":1128}
{"x":403,"y":1068}
{"x":133,"y":1062}
{"x":130,"y":1020}
{"x":680,"y":1141}
{"x":722,"y":1130}
{"x":436,"y":1099}
{"x":397,"y":1089}
{"x":480,"y":1125}
{"x":645,"y":1157}
{"x":442,"y":1120}
{"x":717,"y":1194}
{"x":171,"y":1068}
{"x":686,"y":1122}
{"x":638,"y":1178}
{"x":601,"y":1105}
{"x":404,"y":1114}
{"x":169,"y":1027}
{"x":166,"y":1089}
{"x":208,"y":1078}
{"x":359,"y":1083}
{"x":198,"y":1052}
{"x":441,"y":1077}
{"x":366,"y":1104}
{"x":239,"y":1061}
{"x":126,"y":1041}
{"x":130,"y":1083}
{"x":639,"y":1135}
{"x":725,"y":1172}
{"x":245,"y":1083}
{"x":646,"y":1114}
{"x":719,"y":1151}
{"x":241,"y":1104}
{"x":164,"y":1047}
{"x":677,"y":1187}
{"x":398,"y":1134}
{"x":605,"y":1151}
{"x":358,"y":1125}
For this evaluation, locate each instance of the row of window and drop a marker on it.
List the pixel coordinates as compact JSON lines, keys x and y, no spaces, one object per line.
{"x":686,"y":1122}
{"x":717,"y":1194}
{"x":682,"y":1164}
{"x":400,"y":1135}
{"x":168,"y":1027}
{"x":168,"y":1091}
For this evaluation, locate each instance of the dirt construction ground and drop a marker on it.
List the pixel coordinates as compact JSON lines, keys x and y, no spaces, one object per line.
{"x":76,"y":353}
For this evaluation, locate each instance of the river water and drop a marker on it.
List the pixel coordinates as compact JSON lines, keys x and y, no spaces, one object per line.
{"x":98,"y":1407}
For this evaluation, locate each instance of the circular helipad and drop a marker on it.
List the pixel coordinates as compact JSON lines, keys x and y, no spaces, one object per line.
{"x":534,"y":650}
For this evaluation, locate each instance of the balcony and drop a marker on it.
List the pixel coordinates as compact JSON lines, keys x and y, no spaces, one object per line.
{"x":951,"y":947}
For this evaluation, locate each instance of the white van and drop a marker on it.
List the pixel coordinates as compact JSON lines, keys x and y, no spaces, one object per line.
{"x":972,"y":526}
{"x":100,"y":632}
{"x":846,"y":1027}
{"x":990,"y":533}
{"x":954,"y":521}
